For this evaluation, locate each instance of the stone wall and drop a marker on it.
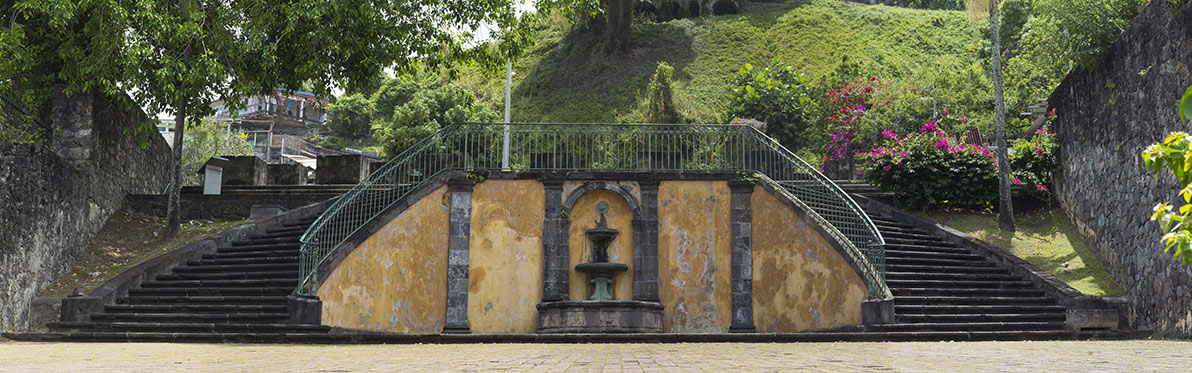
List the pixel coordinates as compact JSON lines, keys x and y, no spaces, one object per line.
{"x":1106,"y":117}
{"x":57,"y":198}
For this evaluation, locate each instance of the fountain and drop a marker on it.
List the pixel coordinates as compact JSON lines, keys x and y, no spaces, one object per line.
{"x":600,"y":313}
{"x":600,"y":271}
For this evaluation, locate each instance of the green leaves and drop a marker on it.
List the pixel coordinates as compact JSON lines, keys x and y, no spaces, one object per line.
{"x":1186,"y":105}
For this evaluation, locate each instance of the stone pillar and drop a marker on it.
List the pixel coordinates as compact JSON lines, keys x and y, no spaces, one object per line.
{"x":556,"y":256}
{"x":645,"y":237}
{"x":72,"y":117}
{"x":458,"y":255}
{"x":741,"y":218}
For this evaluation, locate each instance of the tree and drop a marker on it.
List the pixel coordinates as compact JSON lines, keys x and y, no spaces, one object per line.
{"x":178,"y":56}
{"x":611,"y":18}
{"x":350,"y":117}
{"x":209,"y":139}
{"x":976,"y":9}
{"x":409,"y":109}
{"x":777,"y":95}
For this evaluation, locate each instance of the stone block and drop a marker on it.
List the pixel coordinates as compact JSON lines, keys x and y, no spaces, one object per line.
{"x":244,"y":170}
{"x":341,"y":169}
{"x":1081,"y":319}
{"x":600,"y":317}
{"x":286,"y":174}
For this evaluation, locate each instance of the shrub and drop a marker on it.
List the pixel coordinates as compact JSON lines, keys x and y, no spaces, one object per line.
{"x":662,"y":103}
{"x":849,"y":105}
{"x":932,"y":169}
{"x":350,"y":117}
{"x":1033,"y":160}
{"x":777,"y":95}
{"x":407,"y":110}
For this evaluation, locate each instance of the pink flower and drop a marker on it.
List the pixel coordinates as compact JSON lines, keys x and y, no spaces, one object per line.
{"x":1016,"y":181}
{"x":1041,"y":187}
{"x":945,"y":112}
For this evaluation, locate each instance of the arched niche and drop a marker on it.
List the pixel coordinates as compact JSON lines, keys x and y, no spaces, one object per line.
{"x":693,"y":9}
{"x":624,"y":215}
{"x":722,"y":7}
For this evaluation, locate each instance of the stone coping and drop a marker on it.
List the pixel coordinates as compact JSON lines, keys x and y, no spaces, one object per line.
{"x":600,"y":304}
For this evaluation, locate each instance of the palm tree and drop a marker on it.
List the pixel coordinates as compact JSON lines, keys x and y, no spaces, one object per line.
{"x":977,"y":9}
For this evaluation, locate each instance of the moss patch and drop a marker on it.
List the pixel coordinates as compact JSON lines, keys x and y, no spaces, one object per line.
{"x":127,"y":239}
{"x":1045,"y":239}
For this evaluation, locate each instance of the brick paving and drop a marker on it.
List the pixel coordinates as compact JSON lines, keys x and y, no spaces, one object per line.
{"x":1106,"y":356}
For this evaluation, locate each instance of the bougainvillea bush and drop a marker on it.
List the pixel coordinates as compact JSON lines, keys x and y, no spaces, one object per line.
{"x":1032,"y":161}
{"x":931,"y":169}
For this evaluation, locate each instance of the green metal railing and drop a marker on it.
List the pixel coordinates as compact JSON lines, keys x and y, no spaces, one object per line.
{"x":594,"y":147}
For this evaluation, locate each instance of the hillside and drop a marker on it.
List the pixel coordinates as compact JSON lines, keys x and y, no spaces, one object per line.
{"x":567,"y":78}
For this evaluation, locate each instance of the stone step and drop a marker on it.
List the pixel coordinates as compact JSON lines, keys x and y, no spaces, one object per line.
{"x":254,"y":242}
{"x":942,"y":249}
{"x":295,"y":235}
{"x":924,"y":291}
{"x":242,"y":265}
{"x":251,"y":254}
{"x":944,"y":269}
{"x":213,"y":291}
{"x":299,"y":230}
{"x":900,"y":309}
{"x":895,"y":283}
{"x":938,"y":261}
{"x":910,"y":236}
{"x":262,"y":247}
{"x":923,"y":300}
{"x":224,"y":318}
{"x":917,"y":242}
{"x":221,"y":283}
{"x":196,"y":308}
{"x":175,"y":327}
{"x":970,"y":326}
{"x":979,"y":317}
{"x":950,"y":276}
{"x":899,"y":253}
{"x":292,"y":273}
{"x":172,"y":299}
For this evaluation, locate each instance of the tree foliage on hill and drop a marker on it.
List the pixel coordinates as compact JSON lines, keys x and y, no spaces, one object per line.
{"x":178,"y":56}
{"x":350,"y":117}
{"x":611,"y":19}
{"x":777,"y":95}
{"x":407,"y":109}
{"x":208,"y":139}
{"x":662,"y":102}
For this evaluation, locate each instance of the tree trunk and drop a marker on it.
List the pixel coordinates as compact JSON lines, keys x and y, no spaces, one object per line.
{"x":173,"y":215}
{"x":1005,"y":219}
{"x":619,"y":16}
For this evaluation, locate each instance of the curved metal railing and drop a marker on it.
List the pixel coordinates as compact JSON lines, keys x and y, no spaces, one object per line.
{"x":594,"y":147}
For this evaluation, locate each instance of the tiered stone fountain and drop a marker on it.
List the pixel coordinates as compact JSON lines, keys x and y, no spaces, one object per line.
{"x":600,"y":313}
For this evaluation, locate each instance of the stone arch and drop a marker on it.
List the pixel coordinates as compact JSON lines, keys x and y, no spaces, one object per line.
{"x":647,"y":7}
{"x":673,"y":10}
{"x":694,"y":9}
{"x":722,"y":7}
{"x":619,"y":189}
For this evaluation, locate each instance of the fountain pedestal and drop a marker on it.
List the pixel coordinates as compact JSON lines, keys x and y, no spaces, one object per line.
{"x":600,"y":313}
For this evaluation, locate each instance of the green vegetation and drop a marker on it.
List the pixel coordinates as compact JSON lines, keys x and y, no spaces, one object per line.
{"x":1175,"y":154}
{"x":1045,"y":239}
{"x":205,"y":140}
{"x":127,"y":239}
{"x":566,"y":77}
{"x":777,"y":95}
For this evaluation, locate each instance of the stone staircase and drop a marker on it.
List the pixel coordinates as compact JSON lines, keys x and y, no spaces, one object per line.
{"x":941,"y":287}
{"x":238,"y":293}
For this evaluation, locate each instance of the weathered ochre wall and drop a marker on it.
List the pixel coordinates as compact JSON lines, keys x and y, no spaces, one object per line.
{"x":694,"y":256}
{"x":505,"y":276}
{"x":800,"y":282}
{"x":396,"y":280}
{"x":583,"y":216}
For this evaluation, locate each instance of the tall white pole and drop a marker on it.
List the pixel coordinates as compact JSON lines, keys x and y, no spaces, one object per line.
{"x":508,"y":83}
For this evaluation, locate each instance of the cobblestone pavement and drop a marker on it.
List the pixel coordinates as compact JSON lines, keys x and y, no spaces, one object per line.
{"x":1115,"y":356}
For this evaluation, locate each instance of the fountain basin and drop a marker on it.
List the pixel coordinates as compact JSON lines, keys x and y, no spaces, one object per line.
{"x":597,"y":268}
{"x":603,"y":316}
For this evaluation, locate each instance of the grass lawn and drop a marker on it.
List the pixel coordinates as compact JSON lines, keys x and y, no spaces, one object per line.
{"x":126,"y":240}
{"x":1044,"y":238}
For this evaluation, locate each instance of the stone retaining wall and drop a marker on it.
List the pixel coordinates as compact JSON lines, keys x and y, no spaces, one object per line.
{"x":56,"y":199}
{"x":1106,"y":117}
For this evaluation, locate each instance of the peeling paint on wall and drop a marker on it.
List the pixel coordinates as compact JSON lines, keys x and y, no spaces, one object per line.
{"x":584,"y":216}
{"x":800,"y":281}
{"x":694,"y":256}
{"x":396,"y":280}
{"x":505,"y":276}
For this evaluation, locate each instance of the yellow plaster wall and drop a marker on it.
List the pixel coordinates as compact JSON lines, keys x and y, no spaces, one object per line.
{"x":800,"y":282}
{"x":583,"y":216}
{"x":694,"y":256}
{"x":396,"y":280}
{"x":505,"y":262}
